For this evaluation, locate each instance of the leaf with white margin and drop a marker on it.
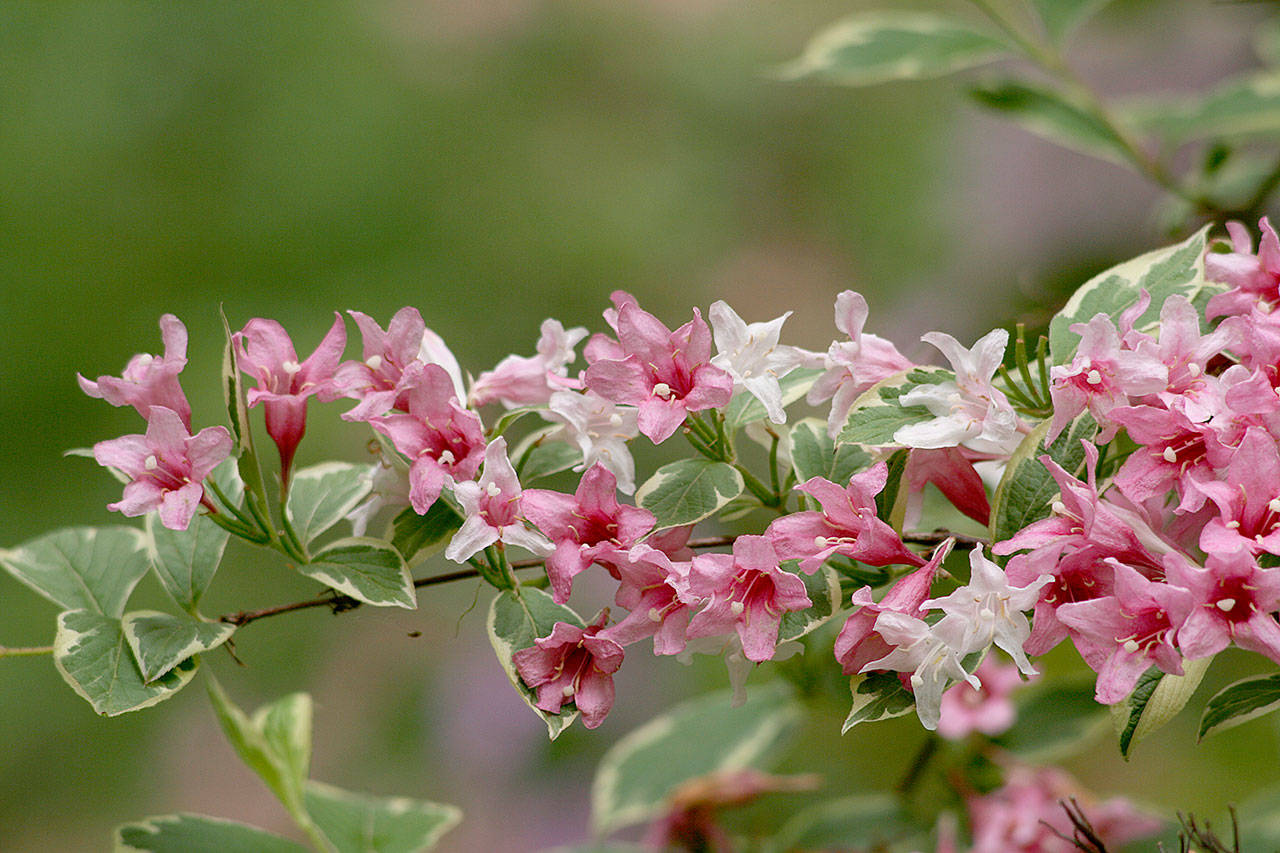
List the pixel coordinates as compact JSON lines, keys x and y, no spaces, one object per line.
{"x":93,"y":656}
{"x":366,"y":569}
{"x":877,"y":415}
{"x":189,"y":833}
{"x":1245,"y":105}
{"x":1155,"y":700}
{"x":1240,"y":702}
{"x":823,"y":587}
{"x":82,"y":568}
{"x":323,"y":495}
{"x":515,"y":620}
{"x":878,"y":47}
{"x":814,"y":454}
{"x":877,"y":696}
{"x":702,"y":736}
{"x":547,"y":458}
{"x":160,"y":641}
{"x":1026,"y":490}
{"x":362,"y":823}
{"x":688,"y":491}
{"x":185,"y":560}
{"x":745,"y":408}
{"x":1177,"y":269}
{"x":1055,"y":116}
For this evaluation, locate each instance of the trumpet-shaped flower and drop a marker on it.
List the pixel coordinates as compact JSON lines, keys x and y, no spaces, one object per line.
{"x":751,"y":354}
{"x":149,"y":380}
{"x":381,"y":382}
{"x":530,"y":380}
{"x":601,"y":429}
{"x":491,"y":510}
{"x":572,"y":664}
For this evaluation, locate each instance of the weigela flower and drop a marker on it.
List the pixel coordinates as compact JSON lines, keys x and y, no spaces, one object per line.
{"x":853,"y":366}
{"x":747,"y":592}
{"x":988,"y":709}
{"x":491,"y":510}
{"x":666,"y":374}
{"x":1235,"y":602}
{"x":751,"y":354}
{"x":166,"y":466}
{"x":149,"y":380}
{"x":530,"y":380}
{"x":1254,"y":279}
{"x":650,"y":587}
{"x":380,"y":382}
{"x":846,"y":525}
{"x":1248,"y":499}
{"x":586,"y":527}
{"x":442,"y":441}
{"x":601,"y":429}
{"x":968,"y":411}
{"x":572,"y":664}
{"x":931,"y":653}
{"x":265,"y":352}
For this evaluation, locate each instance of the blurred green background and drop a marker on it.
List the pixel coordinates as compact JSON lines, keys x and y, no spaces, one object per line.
{"x":492,"y":162}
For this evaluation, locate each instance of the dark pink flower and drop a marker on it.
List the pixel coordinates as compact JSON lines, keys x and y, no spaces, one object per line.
{"x":572,"y":664}
{"x":747,"y":592}
{"x":265,"y":352}
{"x":586,"y":527}
{"x":167,"y":466}
{"x":1254,"y":279}
{"x":1235,"y":602}
{"x":1248,"y":500}
{"x":846,"y":525}
{"x":666,"y":374}
{"x":149,"y":380}
{"x":380,"y":382}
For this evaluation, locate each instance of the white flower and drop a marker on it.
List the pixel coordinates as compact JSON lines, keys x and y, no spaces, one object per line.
{"x":931,"y":653}
{"x":751,"y":354}
{"x":601,"y":430}
{"x":492,"y":508}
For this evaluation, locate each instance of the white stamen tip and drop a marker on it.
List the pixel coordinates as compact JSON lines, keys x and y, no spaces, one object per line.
{"x":820,"y":541}
{"x":151,"y":463}
{"x":493,"y":490}
{"x":737,"y":607}
{"x":662,"y":390}
{"x":374,"y":362}
{"x":916,"y":681}
{"x":1233,"y":524}
{"x":1130,"y":646}
{"x":446,"y":458}
{"x":1193,"y":368}
{"x":1170,"y":455}
{"x":615,"y":419}
{"x":567,"y":690}
{"x":1225,"y":604}
{"x":655,"y":615}
{"x":1274,"y":504}
{"x":291,"y":367}
{"x":1059,"y":508}
{"x":1093,"y":377}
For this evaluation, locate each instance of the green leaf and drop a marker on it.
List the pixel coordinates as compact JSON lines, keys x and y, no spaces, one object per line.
{"x":275,"y":744}
{"x":823,"y":587}
{"x":1027,"y":489}
{"x":877,"y":47}
{"x":1177,"y":269}
{"x":515,"y":620}
{"x":689,"y":490}
{"x":238,"y":420}
{"x":705,"y":735}
{"x":323,"y":495}
{"x":82,"y":568}
{"x":1246,"y":105}
{"x":93,"y":656}
{"x":547,"y":458}
{"x":160,"y":642}
{"x":368,"y":570}
{"x":860,"y":822}
{"x":1240,"y":702}
{"x":1061,"y":17}
{"x":185,"y":560}
{"x":1155,"y":700}
{"x":509,"y":418}
{"x":814,"y":454}
{"x":361,"y":823}
{"x":877,"y":696}
{"x":414,"y":534}
{"x":1054,"y":720}
{"x":744,"y":408}
{"x":188,"y":833}
{"x":1054,"y":116}
{"x":876,"y":415}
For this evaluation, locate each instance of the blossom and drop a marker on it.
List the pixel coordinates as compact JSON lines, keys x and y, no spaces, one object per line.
{"x":987,"y":709}
{"x":931,"y":653}
{"x":530,"y":380}
{"x":968,"y":410}
{"x":166,"y":466}
{"x":747,"y":592}
{"x":846,"y":525}
{"x":601,"y":429}
{"x":265,"y":352}
{"x":853,"y":366}
{"x":491,"y":510}
{"x":1235,"y":600}
{"x":381,"y":382}
{"x":149,"y":380}
{"x":666,"y":374}
{"x":751,"y":354}
{"x":584,"y":527}
{"x":572,"y":664}
{"x":1248,"y":499}
{"x":1254,"y":279}
{"x":650,"y":587}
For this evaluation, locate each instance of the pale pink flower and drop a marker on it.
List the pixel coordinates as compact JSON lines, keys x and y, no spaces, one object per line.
{"x":380,"y":382}
{"x":572,"y":664}
{"x":1248,"y":499}
{"x":166,"y":466}
{"x":988,"y":709}
{"x":1235,"y":602}
{"x":1254,"y":279}
{"x":530,"y":380}
{"x":931,"y":653}
{"x":601,"y":429}
{"x":751,"y":354}
{"x":650,"y":587}
{"x":491,"y":510}
{"x":149,"y":380}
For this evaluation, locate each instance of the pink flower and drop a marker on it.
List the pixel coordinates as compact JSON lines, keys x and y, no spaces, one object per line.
{"x":846,"y":525}
{"x":747,"y":592}
{"x":585,"y":527}
{"x":654,"y":589}
{"x":1254,"y":279}
{"x":572,"y":664}
{"x":147,"y":380}
{"x":265,"y":352}
{"x":666,"y":374}
{"x":530,"y":380}
{"x":987,"y":709}
{"x":442,"y":441}
{"x":1248,"y":500}
{"x":853,"y":366}
{"x":167,"y":466}
{"x":1235,"y":602}
{"x":380,"y":381}
{"x":492,"y":510}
